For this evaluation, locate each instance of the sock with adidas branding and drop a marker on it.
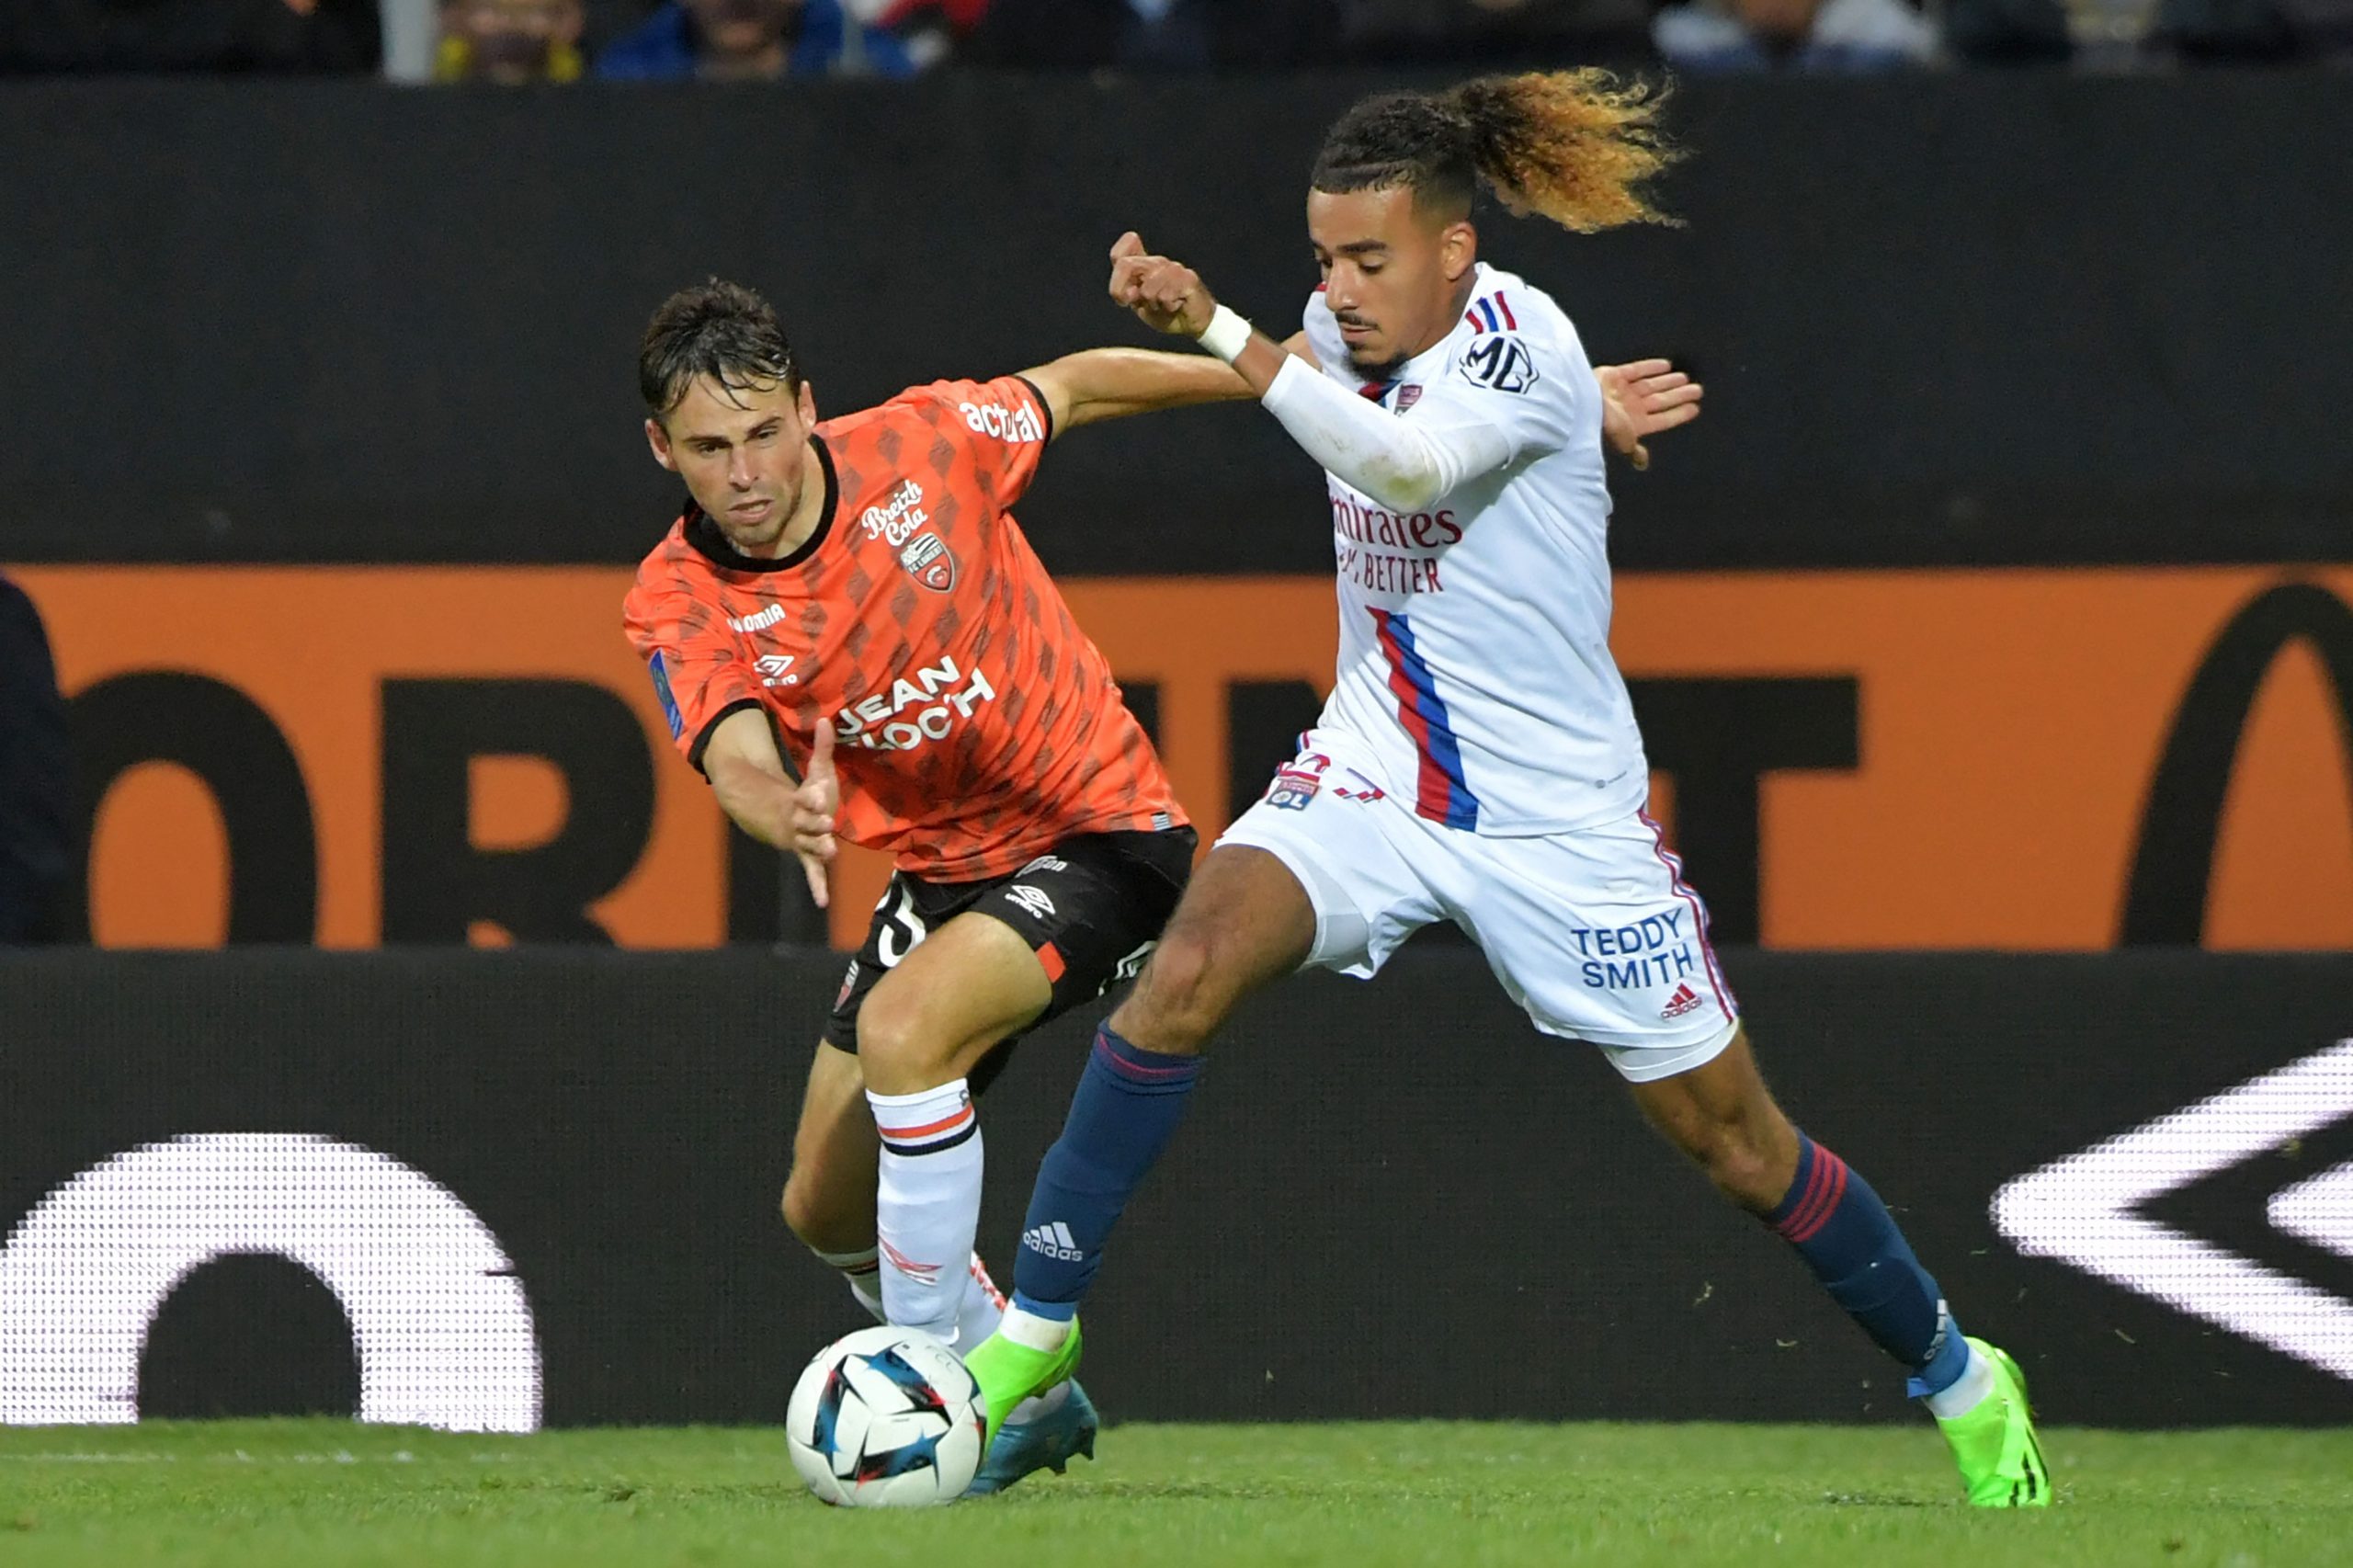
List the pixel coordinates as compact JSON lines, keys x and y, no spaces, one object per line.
{"x":1847,"y":1236}
{"x":1127,"y":1107}
{"x":927,"y":1207}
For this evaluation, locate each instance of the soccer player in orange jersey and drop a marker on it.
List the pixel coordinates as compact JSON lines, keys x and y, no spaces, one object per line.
{"x":852,"y":640}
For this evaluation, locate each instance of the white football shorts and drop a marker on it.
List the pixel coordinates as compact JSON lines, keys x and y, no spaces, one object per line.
{"x":1593,"y":932}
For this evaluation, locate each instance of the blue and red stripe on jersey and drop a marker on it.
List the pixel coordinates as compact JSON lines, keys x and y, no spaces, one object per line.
{"x":1442,"y":793}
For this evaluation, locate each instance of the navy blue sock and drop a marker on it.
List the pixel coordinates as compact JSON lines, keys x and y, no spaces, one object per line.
{"x":1849,"y":1240}
{"x":1129,"y":1102}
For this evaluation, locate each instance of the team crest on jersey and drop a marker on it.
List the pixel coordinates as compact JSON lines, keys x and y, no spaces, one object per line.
{"x":1501,"y":362}
{"x":1408,"y":395}
{"x":1292,"y":789}
{"x":930,"y":562}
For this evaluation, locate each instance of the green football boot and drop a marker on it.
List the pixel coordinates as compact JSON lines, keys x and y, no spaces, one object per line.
{"x":1010,"y":1373}
{"x":2001,"y":1462}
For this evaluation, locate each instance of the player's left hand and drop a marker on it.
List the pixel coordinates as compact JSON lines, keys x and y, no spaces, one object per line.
{"x":1643,"y":399}
{"x":814,"y":802}
{"x":1166,"y":296}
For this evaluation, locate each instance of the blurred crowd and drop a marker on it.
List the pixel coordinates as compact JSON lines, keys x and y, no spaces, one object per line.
{"x":521,"y":42}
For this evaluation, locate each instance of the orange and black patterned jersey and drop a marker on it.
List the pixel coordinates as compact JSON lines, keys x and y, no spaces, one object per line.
{"x":975,"y":724}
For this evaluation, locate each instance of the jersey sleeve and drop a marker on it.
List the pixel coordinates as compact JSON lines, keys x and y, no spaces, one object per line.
{"x":1004,"y":424}
{"x":1522,"y":388}
{"x":697,"y":676}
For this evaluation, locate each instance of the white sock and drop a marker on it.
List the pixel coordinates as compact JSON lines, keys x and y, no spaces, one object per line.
{"x":1037,"y":1332}
{"x":984,"y":1308}
{"x":984,"y":1304}
{"x":928,"y":1208}
{"x":863,"y":1271}
{"x":1965,"y":1392}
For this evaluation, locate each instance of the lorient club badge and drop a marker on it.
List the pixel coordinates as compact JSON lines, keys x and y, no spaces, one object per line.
{"x":930,"y":562}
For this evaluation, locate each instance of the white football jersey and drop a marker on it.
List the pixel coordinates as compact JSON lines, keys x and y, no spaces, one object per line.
{"x":1474,"y":637}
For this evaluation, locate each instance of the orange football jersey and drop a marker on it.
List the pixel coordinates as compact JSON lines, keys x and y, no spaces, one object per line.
{"x":975,"y":724}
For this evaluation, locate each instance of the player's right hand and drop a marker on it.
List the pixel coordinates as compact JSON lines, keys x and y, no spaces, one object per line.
{"x":1166,"y":296}
{"x":814,"y":802}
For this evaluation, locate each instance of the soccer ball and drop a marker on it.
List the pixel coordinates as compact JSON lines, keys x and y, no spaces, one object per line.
{"x":886,"y":1418}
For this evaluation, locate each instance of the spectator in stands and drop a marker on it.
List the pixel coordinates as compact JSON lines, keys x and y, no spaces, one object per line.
{"x":36,"y":778}
{"x":1535,"y":34}
{"x":929,"y":31}
{"x":1702,"y":36}
{"x":510,"y":42}
{"x":190,"y":35}
{"x":1157,"y":35}
{"x":750,"y":40}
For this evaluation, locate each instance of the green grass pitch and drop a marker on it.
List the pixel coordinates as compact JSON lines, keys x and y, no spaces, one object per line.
{"x":260,"y":1494}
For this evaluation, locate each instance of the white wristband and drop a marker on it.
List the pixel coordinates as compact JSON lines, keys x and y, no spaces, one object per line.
{"x":1227,"y":335}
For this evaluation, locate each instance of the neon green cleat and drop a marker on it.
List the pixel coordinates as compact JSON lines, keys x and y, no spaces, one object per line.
{"x":2001,"y":1462}
{"x":1010,"y":1373}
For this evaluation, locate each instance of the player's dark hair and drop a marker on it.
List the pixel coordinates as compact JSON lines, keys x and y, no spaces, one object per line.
{"x":717,"y":329}
{"x":1570,"y":145}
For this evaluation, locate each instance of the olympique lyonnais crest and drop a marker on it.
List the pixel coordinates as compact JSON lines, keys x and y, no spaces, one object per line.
{"x":929,"y":559}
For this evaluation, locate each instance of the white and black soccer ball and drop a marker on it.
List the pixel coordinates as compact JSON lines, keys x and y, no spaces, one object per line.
{"x":886,"y":1418}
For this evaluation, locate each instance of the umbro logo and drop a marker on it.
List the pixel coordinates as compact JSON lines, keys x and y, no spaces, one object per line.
{"x":1684,"y":1000}
{"x":1034,"y":900}
{"x":1054,"y":1241}
{"x":772,"y":668}
{"x":2091,"y":1210}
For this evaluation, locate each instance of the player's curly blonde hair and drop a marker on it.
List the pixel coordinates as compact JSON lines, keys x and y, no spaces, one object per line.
{"x":1573,"y":146}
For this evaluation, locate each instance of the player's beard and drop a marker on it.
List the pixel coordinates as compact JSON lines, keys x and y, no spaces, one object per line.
{"x":760,"y":538}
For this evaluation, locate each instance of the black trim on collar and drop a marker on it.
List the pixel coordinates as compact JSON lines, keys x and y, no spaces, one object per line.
{"x":703,"y":534}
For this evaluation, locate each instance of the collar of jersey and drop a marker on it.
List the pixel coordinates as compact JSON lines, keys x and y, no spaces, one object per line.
{"x":712,"y":546}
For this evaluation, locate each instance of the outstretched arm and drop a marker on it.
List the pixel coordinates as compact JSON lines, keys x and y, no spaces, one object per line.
{"x":1111,"y":383}
{"x":748,"y":775}
{"x":1402,"y":464}
{"x":1095,"y":384}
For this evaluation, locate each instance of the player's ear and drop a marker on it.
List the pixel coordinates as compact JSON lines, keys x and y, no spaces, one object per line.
{"x":1458,"y":250}
{"x":807,"y":403}
{"x":659,"y":439}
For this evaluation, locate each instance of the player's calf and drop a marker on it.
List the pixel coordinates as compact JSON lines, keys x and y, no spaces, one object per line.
{"x":1723,"y":1116}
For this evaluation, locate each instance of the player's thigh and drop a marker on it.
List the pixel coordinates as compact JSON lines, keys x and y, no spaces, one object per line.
{"x":1245,"y":921}
{"x":1596,"y":935}
{"x":829,"y":1196}
{"x":940,"y":1009}
{"x":1354,"y":854}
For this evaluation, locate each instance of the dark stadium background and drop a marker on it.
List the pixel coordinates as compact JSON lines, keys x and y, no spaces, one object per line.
{"x":2058,"y":356}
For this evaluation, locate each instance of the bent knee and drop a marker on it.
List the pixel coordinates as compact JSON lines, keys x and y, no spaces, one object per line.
{"x":1743,"y":1168}
{"x":897,"y":1044}
{"x":1180,"y":998}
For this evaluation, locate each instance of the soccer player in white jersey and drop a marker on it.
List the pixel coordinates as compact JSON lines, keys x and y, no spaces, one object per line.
{"x":1477,"y":761}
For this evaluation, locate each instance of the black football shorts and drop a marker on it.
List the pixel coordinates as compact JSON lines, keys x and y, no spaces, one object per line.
{"x":1090,"y":908}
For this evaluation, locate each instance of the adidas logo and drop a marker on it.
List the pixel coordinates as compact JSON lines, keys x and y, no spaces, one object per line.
{"x":1054,"y":1241}
{"x":1684,"y":1000}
